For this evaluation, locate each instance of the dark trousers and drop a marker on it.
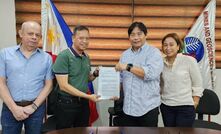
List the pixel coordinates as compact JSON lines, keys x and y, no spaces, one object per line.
{"x":150,"y":119}
{"x":71,"y":112}
{"x":32,"y":125}
{"x":178,"y":116}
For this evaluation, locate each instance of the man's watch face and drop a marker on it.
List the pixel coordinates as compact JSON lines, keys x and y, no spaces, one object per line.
{"x":129,"y":66}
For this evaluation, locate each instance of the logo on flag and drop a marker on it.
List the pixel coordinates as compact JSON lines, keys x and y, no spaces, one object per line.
{"x":200,"y":43}
{"x":194,"y":47}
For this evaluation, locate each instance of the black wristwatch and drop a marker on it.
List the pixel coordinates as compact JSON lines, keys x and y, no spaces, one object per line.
{"x":129,"y":66}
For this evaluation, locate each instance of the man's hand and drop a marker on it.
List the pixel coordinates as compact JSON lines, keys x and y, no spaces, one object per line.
{"x":120,"y":67}
{"x":28,"y":110}
{"x":19,"y":114}
{"x":114,"y":98}
{"x":94,"y":97}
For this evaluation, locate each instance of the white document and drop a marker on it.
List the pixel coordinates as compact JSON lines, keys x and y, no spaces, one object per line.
{"x":108,"y":83}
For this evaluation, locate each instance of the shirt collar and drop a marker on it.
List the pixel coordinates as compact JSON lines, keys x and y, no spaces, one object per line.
{"x":141,"y":48}
{"x":18,"y":47}
{"x":177,"y":57}
{"x":75,"y":53}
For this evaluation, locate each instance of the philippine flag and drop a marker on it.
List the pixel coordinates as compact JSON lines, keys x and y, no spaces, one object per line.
{"x":56,"y":35}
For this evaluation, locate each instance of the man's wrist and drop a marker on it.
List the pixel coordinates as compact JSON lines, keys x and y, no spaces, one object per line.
{"x":34,"y":106}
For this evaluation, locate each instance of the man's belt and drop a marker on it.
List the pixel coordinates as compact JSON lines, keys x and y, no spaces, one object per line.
{"x":24,"y":103}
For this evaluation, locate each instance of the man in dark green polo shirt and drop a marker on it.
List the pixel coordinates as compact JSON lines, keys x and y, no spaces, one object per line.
{"x":72,"y":71}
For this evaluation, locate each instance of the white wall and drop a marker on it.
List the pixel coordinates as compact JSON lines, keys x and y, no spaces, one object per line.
{"x":7,"y":23}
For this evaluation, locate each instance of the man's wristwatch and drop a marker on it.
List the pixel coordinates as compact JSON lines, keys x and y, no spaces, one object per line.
{"x":129,"y":66}
{"x":34,"y":106}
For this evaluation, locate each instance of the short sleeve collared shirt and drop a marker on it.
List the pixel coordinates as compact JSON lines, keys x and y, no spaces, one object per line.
{"x":75,"y":66}
{"x":25,"y":78}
